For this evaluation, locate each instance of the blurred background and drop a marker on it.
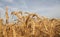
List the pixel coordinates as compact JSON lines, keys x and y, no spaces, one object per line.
{"x":48,"y":8}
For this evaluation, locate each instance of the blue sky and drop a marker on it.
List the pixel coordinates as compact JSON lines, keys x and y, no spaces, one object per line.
{"x":48,"y":8}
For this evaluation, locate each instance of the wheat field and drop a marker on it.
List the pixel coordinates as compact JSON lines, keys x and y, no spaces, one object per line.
{"x":30,"y":25}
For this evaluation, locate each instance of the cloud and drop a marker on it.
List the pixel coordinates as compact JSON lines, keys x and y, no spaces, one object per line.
{"x":49,"y":8}
{"x":9,"y":1}
{"x":53,"y":11}
{"x":1,"y":9}
{"x":1,"y":4}
{"x":2,"y":12}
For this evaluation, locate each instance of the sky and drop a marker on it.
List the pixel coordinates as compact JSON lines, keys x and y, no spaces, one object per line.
{"x":48,"y":8}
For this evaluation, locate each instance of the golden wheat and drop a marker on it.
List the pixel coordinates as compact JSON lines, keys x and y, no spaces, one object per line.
{"x":30,"y":25}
